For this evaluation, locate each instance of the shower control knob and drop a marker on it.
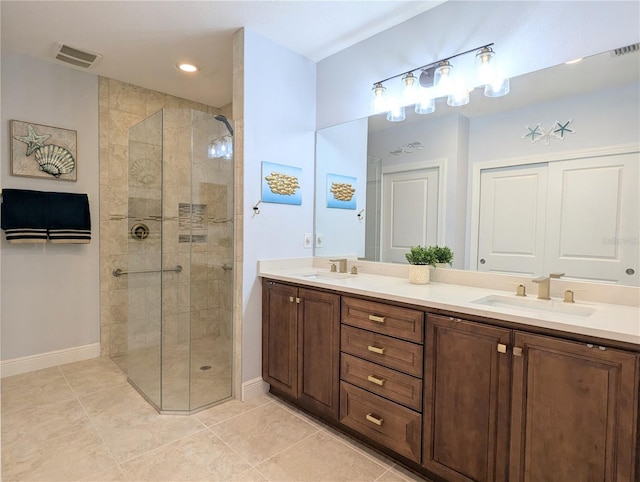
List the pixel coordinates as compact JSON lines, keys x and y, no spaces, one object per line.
{"x":139,"y":231}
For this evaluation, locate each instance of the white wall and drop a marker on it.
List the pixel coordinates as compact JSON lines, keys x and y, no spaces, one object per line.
{"x":279,"y":127}
{"x":50,"y":293}
{"x":600,"y":119}
{"x":528,"y":36}
{"x":341,"y":150}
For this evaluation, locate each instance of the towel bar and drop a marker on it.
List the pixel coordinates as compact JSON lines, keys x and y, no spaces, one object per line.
{"x":119,"y":272}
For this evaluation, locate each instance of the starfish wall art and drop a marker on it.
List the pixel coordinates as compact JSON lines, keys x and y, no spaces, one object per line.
{"x":43,"y":151}
{"x":557,"y":131}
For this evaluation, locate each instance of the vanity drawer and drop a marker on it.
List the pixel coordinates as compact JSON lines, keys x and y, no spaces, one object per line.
{"x":385,"y":422}
{"x":384,"y":350}
{"x":382,"y":381}
{"x":386,"y":319}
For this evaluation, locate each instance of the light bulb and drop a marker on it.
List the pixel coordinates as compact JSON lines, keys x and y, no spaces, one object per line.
{"x":409,"y":89}
{"x":485,"y":65}
{"x":379,"y":99}
{"x":442,"y":79}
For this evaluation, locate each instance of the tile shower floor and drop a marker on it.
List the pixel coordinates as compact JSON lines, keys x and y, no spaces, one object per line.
{"x":83,"y":421}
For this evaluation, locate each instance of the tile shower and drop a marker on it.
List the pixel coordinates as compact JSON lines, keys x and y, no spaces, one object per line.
{"x":169,"y":329}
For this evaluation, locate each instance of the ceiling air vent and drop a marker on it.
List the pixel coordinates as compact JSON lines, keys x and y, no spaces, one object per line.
{"x":629,"y":49}
{"x":73,"y":56}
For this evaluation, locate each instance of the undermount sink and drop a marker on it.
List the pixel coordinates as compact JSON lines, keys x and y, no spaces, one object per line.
{"x":535,"y":305}
{"x":327,"y":275}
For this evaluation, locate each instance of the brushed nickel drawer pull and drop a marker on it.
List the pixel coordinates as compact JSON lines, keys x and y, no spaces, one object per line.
{"x":379,"y":319}
{"x":375,"y":349}
{"x":372,"y":419}
{"x":376,"y":380}
{"x":502,"y":348}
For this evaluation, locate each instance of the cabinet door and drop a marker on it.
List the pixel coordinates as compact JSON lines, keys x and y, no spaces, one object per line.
{"x":319,"y":351}
{"x":573,"y":412}
{"x":280,"y":336}
{"x":466,"y":405}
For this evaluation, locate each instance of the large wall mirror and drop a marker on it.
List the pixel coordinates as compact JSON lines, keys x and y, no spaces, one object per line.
{"x":544,"y":179}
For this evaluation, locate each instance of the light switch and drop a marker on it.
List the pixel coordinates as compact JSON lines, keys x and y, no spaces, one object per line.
{"x":319,"y":240}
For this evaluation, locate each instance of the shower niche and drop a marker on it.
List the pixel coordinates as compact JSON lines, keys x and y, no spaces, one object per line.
{"x":179,"y":281}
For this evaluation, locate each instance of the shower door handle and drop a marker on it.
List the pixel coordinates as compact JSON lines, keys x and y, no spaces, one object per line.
{"x":119,"y":272}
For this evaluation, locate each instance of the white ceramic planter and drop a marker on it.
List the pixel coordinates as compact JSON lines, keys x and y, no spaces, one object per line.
{"x":419,"y":274}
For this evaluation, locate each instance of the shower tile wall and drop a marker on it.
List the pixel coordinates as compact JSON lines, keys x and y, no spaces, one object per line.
{"x":121,"y":106}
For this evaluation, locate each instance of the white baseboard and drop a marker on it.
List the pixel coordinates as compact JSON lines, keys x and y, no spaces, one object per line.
{"x":17,"y":366}
{"x":254,"y":388}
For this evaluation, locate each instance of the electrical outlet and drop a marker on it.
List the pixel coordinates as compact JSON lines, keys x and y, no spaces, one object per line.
{"x":319,"y":240}
{"x":308,"y":240}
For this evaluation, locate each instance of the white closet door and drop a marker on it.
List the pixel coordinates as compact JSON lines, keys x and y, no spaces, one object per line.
{"x":511,"y":229}
{"x":592,"y":217}
{"x":409,"y":212}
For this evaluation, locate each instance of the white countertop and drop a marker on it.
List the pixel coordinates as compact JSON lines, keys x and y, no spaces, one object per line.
{"x":613,"y":322}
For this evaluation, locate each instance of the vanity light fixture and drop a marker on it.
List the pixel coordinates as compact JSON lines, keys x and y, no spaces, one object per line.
{"x":221,"y":148}
{"x":440,"y":79}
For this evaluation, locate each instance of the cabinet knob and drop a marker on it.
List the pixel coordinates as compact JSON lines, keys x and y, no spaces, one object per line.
{"x":290,"y":299}
{"x":502,"y":348}
{"x":372,"y":419}
{"x":517,"y":351}
{"x":376,"y":380}
{"x":375,"y":349}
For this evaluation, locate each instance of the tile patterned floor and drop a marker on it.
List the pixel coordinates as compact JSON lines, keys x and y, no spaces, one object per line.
{"x":83,"y":421}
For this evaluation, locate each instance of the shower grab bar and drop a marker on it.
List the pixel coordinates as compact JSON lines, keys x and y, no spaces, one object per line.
{"x":119,"y":272}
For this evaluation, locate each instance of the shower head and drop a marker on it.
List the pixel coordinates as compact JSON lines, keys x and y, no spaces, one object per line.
{"x":224,"y":120}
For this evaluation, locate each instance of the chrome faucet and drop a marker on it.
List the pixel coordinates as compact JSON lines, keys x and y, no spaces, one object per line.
{"x":544,"y":285}
{"x":342,"y":264}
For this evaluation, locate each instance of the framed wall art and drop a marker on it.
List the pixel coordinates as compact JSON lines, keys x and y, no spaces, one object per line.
{"x":341,"y":191}
{"x":43,"y":151}
{"x":281,"y":184}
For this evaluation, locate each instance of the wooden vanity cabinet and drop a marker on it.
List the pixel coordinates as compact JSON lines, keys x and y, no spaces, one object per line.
{"x":301,"y":346}
{"x":505,"y":405}
{"x":454,"y":399}
{"x":466,"y":400}
{"x":382,"y":362}
{"x":574,"y":411}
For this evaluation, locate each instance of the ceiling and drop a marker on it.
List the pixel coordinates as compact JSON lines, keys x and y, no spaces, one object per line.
{"x":141,"y":41}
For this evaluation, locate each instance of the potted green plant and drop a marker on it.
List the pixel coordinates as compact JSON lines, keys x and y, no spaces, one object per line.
{"x":420,"y":260}
{"x":443,"y":256}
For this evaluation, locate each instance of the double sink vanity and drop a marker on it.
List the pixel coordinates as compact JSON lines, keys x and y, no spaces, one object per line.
{"x":457,"y":382}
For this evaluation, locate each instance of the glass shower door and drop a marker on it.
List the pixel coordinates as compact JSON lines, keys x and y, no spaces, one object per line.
{"x":145,"y":257}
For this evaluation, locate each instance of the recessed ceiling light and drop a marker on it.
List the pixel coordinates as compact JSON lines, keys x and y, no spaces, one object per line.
{"x":188,"y":68}
{"x":575,"y":61}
